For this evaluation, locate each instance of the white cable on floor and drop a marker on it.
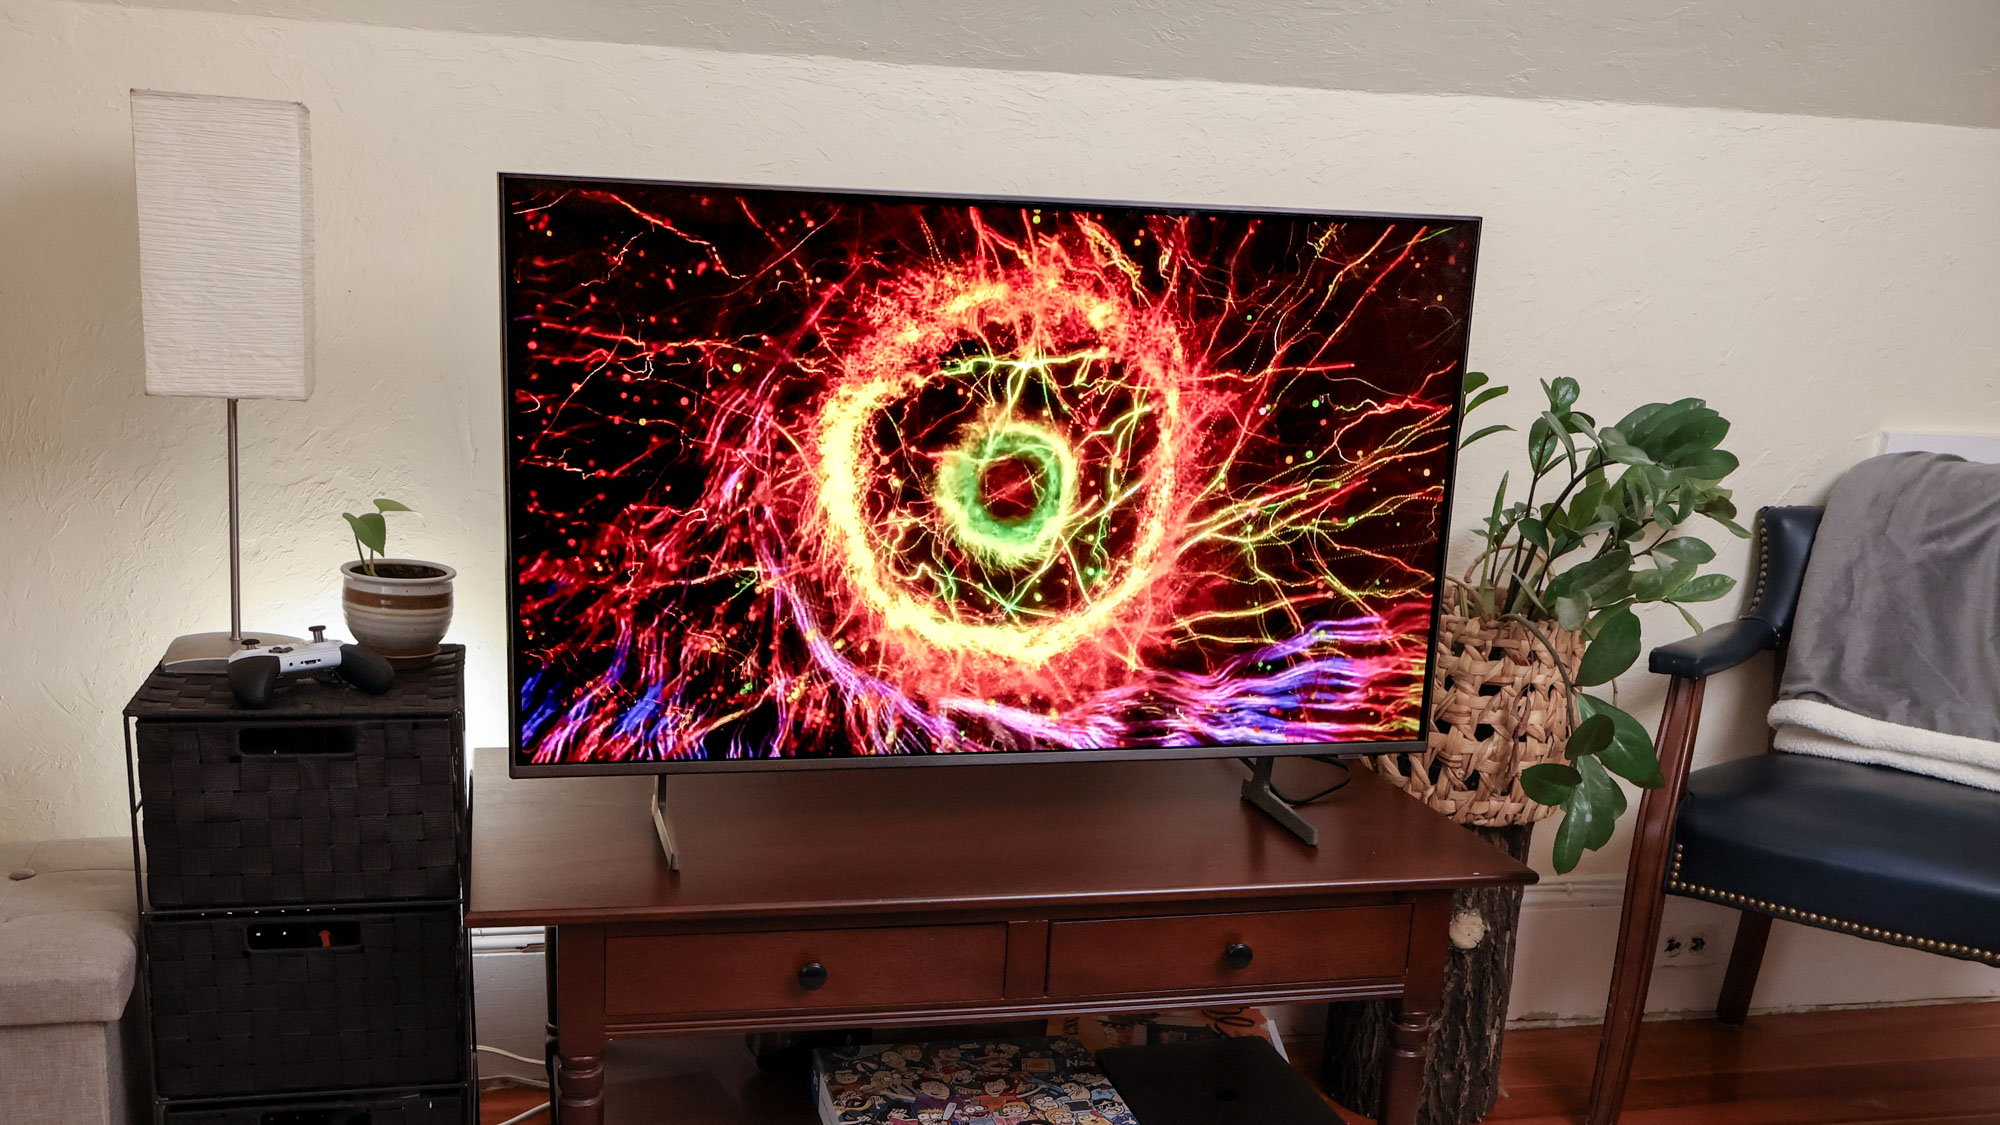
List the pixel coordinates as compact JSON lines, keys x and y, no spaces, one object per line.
{"x":517,"y":1119}
{"x":542,"y":1108}
{"x":512,"y":1055}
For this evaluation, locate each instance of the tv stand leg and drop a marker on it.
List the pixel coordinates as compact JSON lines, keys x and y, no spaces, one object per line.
{"x":663,"y":827}
{"x":1257,"y":790}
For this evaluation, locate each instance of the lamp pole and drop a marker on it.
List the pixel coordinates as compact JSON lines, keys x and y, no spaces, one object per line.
{"x":235,"y":539}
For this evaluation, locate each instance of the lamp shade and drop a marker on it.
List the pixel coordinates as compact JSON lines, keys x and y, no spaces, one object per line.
{"x":225,"y":245}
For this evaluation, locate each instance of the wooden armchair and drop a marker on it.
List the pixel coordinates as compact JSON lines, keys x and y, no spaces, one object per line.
{"x":1865,"y":850}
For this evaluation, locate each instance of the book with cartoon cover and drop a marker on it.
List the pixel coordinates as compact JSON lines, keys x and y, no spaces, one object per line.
{"x":1052,"y":1081}
{"x":1098,"y":1030}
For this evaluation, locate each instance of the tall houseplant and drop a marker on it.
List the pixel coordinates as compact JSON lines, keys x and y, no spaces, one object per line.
{"x":1606,"y":523}
{"x":1604,"y":527}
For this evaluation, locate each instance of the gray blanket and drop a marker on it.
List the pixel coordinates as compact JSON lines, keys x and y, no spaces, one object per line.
{"x":1895,"y":652}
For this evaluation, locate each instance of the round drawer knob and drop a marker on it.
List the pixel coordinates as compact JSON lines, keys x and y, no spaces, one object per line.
{"x":1237,"y":955}
{"x":812,"y":976}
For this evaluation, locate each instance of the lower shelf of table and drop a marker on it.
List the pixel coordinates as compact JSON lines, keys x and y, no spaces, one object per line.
{"x":454,"y":1104}
{"x":793,"y":1020}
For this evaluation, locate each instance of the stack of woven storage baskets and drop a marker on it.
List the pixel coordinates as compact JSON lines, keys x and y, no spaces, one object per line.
{"x":303,"y":948}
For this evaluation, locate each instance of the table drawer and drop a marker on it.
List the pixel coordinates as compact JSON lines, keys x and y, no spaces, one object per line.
{"x":690,"y":974}
{"x":1194,"y":951}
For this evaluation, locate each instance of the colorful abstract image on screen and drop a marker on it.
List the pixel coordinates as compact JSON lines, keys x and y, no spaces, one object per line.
{"x":808,"y":475}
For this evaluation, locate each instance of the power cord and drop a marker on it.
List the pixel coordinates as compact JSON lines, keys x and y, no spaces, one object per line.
{"x":511,"y":1055}
{"x":518,"y":1118}
{"x":1346,"y":775}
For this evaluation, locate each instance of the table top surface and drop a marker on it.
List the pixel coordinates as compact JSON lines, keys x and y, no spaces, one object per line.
{"x":552,"y":851}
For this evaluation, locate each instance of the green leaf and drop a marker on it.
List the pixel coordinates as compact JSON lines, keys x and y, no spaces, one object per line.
{"x":1701,"y":431}
{"x":1710,"y":464}
{"x":1484,"y":397}
{"x":1590,"y":736}
{"x":1630,"y":754}
{"x":1589,"y":814}
{"x":1679,"y":502}
{"x":1569,"y":840}
{"x":1686,"y":548}
{"x":1660,"y":582}
{"x":1645,"y":432}
{"x":1535,"y":532}
{"x":1542,"y":445}
{"x":1562,"y":432}
{"x":1625,"y":454}
{"x":1584,"y":503}
{"x":1473,"y":381}
{"x":1614,"y":650}
{"x":1562,"y":393}
{"x":1602,"y":579}
{"x":1707,"y":588}
{"x":1550,"y":782}
{"x":1572,"y":611}
{"x":1650,"y":480}
{"x":371,"y":529}
{"x":1483,"y":433}
{"x":1499,"y":499}
{"x":1638,"y":417}
{"x":391,"y":506}
{"x":1689,"y":618}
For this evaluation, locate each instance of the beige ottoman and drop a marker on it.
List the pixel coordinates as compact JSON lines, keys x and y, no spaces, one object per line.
{"x":68,"y":958}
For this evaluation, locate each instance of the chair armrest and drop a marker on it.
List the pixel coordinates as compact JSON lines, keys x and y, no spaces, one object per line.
{"x":1784,"y":545}
{"x":1715,"y":650}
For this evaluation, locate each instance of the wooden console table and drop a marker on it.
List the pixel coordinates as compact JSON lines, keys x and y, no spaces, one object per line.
{"x":963,"y":893}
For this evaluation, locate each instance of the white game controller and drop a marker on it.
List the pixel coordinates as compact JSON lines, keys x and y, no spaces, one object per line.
{"x":253,"y":672}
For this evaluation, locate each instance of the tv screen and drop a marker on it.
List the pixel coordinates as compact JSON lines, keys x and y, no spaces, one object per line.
{"x":815,"y":477}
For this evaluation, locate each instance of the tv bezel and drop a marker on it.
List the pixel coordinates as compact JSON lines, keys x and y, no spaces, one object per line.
{"x":516,"y":768}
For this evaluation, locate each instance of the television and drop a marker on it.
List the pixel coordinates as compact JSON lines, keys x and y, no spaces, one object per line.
{"x":807,"y":478}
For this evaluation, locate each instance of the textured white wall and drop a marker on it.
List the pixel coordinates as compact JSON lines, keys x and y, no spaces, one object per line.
{"x":1913,"y":60}
{"x":1816,"y":279}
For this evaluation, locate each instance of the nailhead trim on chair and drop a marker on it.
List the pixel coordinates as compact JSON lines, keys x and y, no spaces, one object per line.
{"x":1675,"y":885}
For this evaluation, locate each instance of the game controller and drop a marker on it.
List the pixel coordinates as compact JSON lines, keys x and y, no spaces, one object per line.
{"x":253,"y":672}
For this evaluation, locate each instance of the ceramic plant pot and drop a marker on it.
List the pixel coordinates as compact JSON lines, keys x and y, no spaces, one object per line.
{"x":400,"y":611}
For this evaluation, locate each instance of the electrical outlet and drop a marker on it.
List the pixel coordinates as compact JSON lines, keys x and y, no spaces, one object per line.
{"x":1689,"y":945}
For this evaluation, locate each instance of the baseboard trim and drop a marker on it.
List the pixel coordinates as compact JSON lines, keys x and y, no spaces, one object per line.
{"x":508,"y":939}
{"x":1580,"y":891}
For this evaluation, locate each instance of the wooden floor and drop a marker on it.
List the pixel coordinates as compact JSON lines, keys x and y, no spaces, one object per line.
{"x":1920,"y":1066}
{"x":1927,"y":1064}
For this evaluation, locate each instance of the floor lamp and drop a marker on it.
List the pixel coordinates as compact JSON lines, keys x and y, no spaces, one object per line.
{"x":225,"y":279}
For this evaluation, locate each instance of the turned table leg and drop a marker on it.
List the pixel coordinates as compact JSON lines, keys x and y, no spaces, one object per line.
{"x":578,"y":1098}
{"x":1423,"y":990}
{"x":581,"y":1096}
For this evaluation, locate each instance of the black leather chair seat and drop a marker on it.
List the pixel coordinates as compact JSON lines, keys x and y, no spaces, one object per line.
{"x":1893,"y":856}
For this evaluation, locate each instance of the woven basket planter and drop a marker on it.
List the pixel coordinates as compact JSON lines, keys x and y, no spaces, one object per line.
{"x":1498,"y":706}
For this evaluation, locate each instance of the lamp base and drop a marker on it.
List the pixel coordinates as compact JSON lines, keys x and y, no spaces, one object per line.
{"x":199,"y":653}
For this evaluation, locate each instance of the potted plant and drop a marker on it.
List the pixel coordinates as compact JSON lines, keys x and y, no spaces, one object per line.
{"x":1545,"y":611}
{"x":398,"y":607}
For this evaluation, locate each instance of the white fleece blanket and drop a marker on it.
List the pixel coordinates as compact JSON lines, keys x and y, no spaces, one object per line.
{"x":1895,"y":649}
